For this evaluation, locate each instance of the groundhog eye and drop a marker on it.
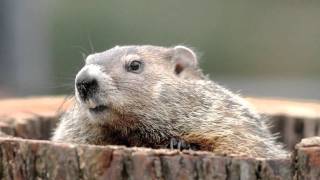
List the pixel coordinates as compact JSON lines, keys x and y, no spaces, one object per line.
{"x":135,"y":66}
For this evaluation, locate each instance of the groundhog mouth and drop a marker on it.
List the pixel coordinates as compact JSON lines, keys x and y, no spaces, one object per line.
{"x":99,"y":109}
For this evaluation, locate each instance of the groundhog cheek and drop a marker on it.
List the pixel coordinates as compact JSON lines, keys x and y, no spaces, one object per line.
{"x":157,"y":88}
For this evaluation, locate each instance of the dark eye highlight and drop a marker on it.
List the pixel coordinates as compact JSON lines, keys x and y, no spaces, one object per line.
{"x":135,"y":66}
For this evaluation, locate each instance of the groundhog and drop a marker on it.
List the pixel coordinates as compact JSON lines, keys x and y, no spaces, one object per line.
{"x":158,"y":97}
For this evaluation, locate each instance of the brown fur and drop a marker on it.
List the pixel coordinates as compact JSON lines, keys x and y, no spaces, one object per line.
{"x":171,"y":98}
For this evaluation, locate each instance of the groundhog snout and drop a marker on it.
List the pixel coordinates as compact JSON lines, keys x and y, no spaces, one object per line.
{"x":87,"y":82}
{"x":87,"y":87}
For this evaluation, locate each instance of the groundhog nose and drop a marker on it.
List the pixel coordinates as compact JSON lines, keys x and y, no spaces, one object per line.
{"x":87,"y":87}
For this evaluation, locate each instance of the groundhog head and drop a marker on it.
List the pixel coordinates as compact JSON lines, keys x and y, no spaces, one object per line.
{"x":124,"y":80}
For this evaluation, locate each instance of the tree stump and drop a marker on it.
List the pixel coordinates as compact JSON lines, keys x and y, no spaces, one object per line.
{"x":25,"y":152}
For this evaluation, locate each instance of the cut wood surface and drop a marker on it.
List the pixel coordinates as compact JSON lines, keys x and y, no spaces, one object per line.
{"x":32,"y":106}
{"x":49,"y":106}
{"x":297,"y":108}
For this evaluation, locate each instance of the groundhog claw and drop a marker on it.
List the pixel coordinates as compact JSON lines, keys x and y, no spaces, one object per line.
{"x":180,"y":144}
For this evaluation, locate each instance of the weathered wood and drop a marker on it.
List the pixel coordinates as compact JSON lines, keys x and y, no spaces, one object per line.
{"x":307,"y":155}
{"x":31,"y":159}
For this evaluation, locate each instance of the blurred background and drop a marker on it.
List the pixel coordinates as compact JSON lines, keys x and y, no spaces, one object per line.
{"x":257,"y":48}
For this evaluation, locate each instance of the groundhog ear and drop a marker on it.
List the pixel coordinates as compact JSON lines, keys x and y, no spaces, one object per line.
{"x":183,"y":58}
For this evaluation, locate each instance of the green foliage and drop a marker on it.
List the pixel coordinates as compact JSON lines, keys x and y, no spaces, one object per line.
{"x":240,"y":38}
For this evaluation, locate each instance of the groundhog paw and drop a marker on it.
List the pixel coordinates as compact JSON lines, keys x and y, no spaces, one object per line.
{"x":180,"y":144}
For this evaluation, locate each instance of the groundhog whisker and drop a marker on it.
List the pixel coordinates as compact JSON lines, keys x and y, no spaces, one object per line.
{"x":149,"y":95}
